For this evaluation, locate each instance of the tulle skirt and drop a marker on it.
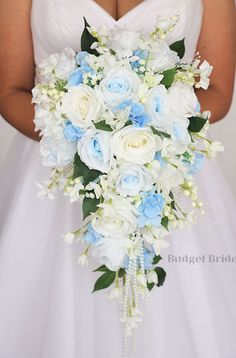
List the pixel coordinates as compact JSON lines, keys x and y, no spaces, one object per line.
{"x":47,"y":309}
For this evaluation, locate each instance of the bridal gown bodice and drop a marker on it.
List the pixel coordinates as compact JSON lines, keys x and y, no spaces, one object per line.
{"x":46,"y":306}
{"x":59,"y":23}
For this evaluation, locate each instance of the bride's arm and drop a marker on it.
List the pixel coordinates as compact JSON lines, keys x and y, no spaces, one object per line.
{"x":217,"y":44}
{"x":16,"y":65}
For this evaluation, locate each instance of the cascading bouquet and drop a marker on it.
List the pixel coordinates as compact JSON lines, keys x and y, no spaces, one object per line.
{"x":122,"y":129}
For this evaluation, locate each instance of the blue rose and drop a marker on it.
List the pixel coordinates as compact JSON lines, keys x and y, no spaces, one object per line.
{"x":150,"y":209}
{"x":91,"y":236}
{"x":72,"y":133}
{"x":137,"y":114}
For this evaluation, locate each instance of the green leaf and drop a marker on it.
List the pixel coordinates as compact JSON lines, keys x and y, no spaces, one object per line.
{"x":128,"y":123}
{"x":165,"y":222}
{"x":103,"y":126}
{"x":105,"y":280}
{"x":159,"y":133}
{"x":121,"y":272}
{"x":168,"y":78}
{"x":156,"y":260}
{"x":81,"y":170}
{"x":179,"y":47}
{"x":196,"y":124}
{"x":150,"y":286}
{"x":102,"y":268}
{"x":161,"y":274}
{"x":89,"y":206}
{"x":87,"y":40}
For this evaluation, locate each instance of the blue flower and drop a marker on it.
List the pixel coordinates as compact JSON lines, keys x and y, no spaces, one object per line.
{"x":150,"y":209}
{"x":72,"y":133}
{"x":81,"y":58}
{"x":137,"y":114}
{"x":76,"y":77}
{"x":197,"y":164}
{"x":142,"y":54}
{"x":148,"y":259}
{"x":158,"y":157}
{"x":91,"y":236}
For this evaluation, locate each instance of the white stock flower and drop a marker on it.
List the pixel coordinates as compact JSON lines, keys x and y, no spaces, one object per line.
{"x":81,"y":105}
{"x":110,"y":252}
{"x":69,"y":238}
{"x":83,"y":260}
{"x":115,"y":218}
{"x":205,"y":72}
{"x":56,"y":151}
{"x":182,"y":99}
{"x":123,"y":39}
{"x":137,"y":145}
{"x":94,"y":150}
{"x":161,"y":57}
{"x":59,"y":65}
{"x":132,"y":179}
{"x":152,"y":277}
{"x":120,"y":84}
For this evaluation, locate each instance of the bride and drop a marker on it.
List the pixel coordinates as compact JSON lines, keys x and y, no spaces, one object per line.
{"x":46,"y":306}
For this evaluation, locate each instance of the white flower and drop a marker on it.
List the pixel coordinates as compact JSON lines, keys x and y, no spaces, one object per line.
{"x":110,"y":252}
{"x":56,"y":151}
{"x":115,"y":218}
{"x":119,"y":85}
{"x":180,"y":135}
{"x":123,"y":39}
{"x":132,"y":179}
{"x":157,"y":105}
{"x":132,"y":321}
{"x":182,"y":99}
{"x":69,"y":238}
{"x":205,"y":72}
{"x":161,"y":57}
{"x":44,"y":191}
{"x":213,"y":149}
{"x":159,"y":245}
{"x":152,"y":277}
{"x":83,"y":259}
{"x":81,"y":105}
{"x":94,"y":150}
{"x":115,"y":293}
{"x":59,"y":65}
{"x":137,"y":145}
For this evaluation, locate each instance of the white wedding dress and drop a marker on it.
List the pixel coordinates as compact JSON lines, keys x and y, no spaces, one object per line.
{"x":46,"y":306}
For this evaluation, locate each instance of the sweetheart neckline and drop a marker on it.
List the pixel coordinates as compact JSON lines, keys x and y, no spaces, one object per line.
{"x":128,"y":13}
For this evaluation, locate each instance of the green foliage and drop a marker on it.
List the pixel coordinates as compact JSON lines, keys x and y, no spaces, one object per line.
{"x":81,"y":170}
{"x":168,"y":78}
{"x":161,"y":274}
{"x":196,"y":124}
{"x":159,"y":133}
{"x":102,"y":268}
{"x":179,"y":47}
{"x":87,"y":40}
{"x":156,"y":260}
{"x":165,"y":222}
{"x":105,"y":280}
{"x":89,"y":206}
{"x":102,"y":125}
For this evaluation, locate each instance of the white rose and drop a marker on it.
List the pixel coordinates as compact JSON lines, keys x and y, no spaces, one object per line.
{"x":137,"y":145}
{"x":94,"y":150}
{"x":161,"y":57}
{"x":132,"y":179}
{"x":180,"y":135}
{"x":110,"y":252}
{"x":56,"y":151}
{"x":182,"y":99}
{"x":157,"y":106}
{"x":81,"y":105}
{"x":115,"y":219}
{"x":119,"y":85}
{"x":122,"y":39}
{"x":59,"y":65}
